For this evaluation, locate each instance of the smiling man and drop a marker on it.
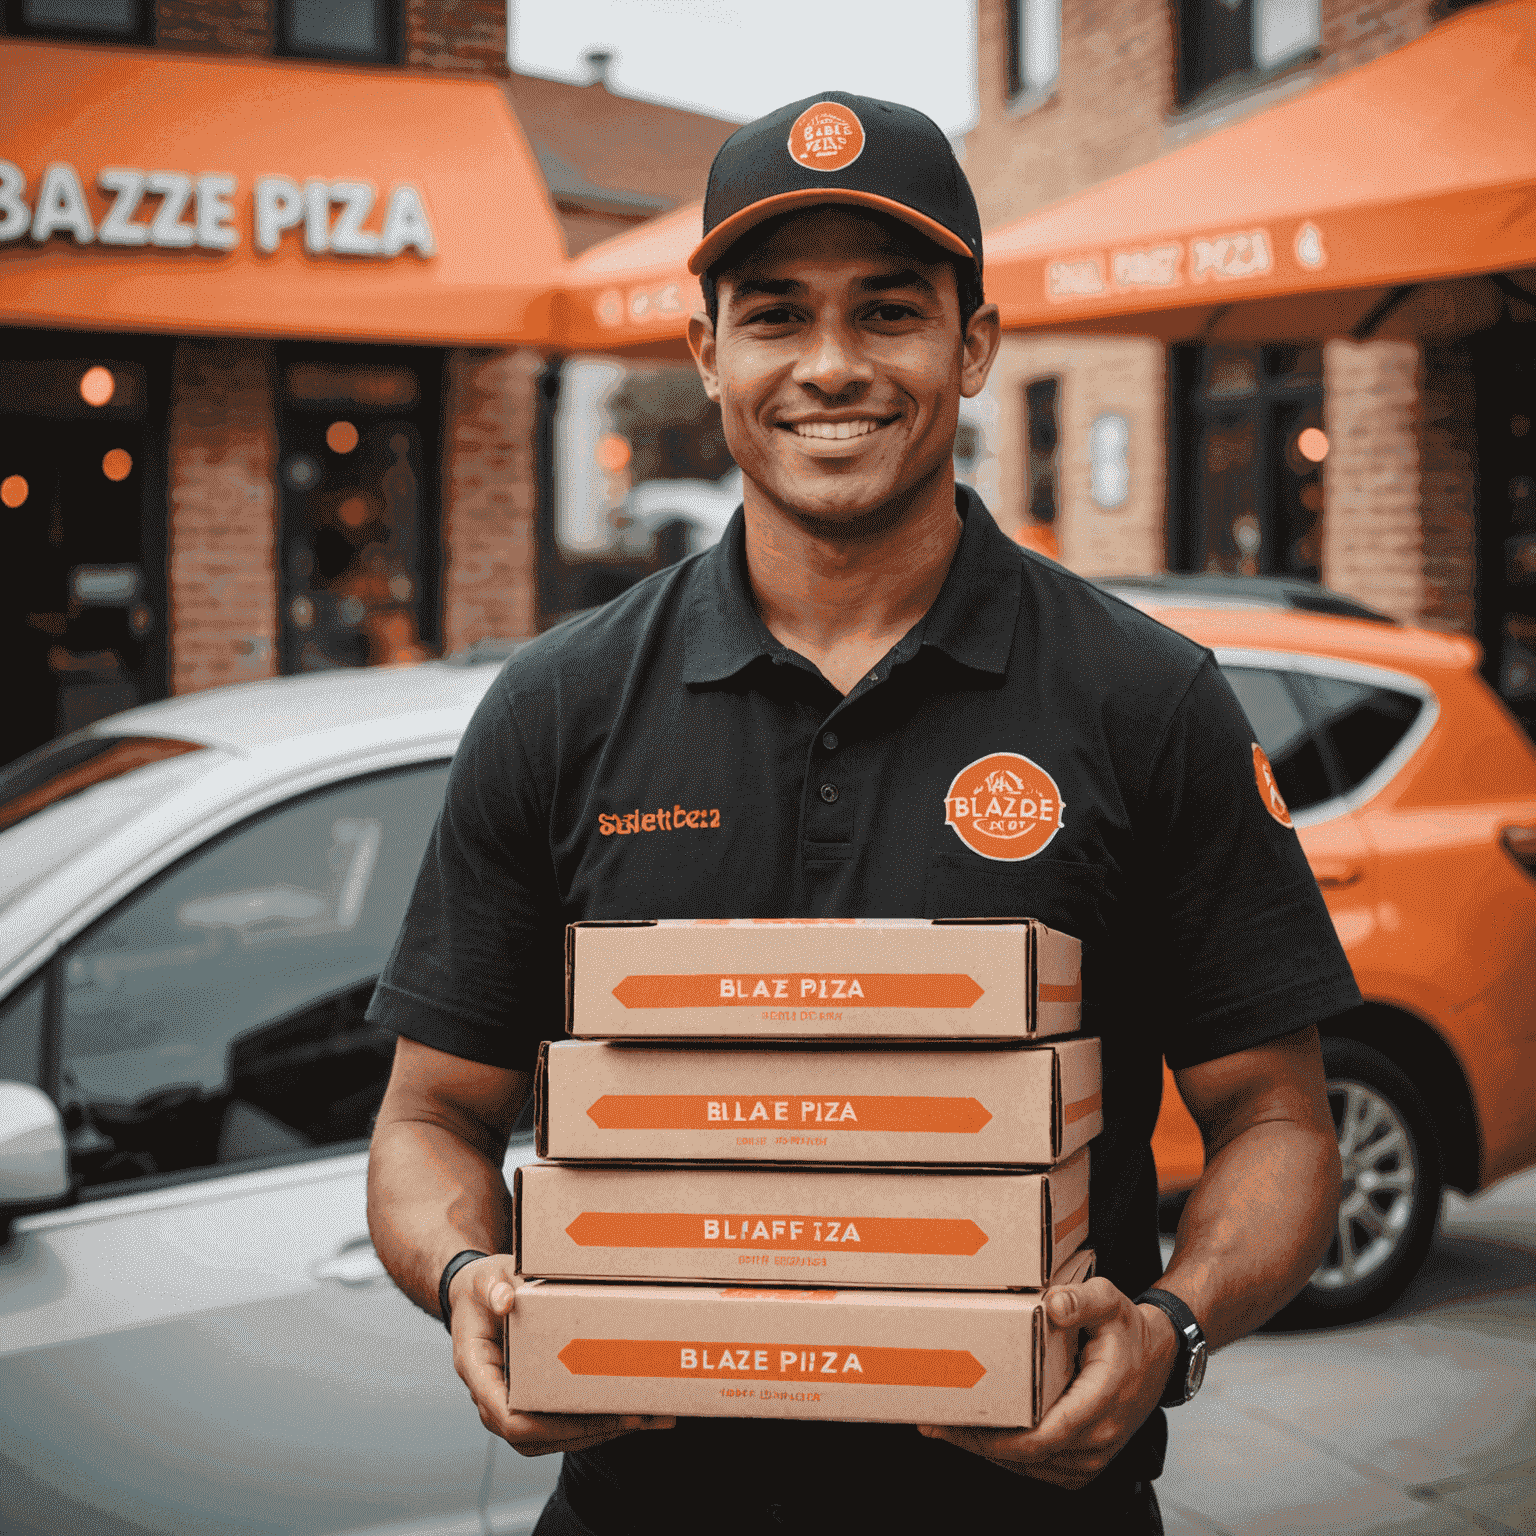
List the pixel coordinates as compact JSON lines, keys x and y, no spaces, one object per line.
{"x":840,"y":681}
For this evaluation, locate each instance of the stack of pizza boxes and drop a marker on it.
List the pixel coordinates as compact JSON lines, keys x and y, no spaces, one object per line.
{"x":812,"y":1169}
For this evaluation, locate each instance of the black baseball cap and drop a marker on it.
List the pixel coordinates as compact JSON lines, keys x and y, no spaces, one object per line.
{"x":839,"y":148}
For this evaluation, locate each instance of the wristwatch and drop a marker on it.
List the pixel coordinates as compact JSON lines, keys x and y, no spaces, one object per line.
{"x":1189,"y":1369}
{"x":450,"y":1269}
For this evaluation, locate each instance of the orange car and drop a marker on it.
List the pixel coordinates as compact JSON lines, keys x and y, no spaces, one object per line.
{"x":1414,"y":794}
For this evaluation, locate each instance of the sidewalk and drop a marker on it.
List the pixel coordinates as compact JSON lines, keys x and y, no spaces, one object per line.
{"x":1421,"y":1423}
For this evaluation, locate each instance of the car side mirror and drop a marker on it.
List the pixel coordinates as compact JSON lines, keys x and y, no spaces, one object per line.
{"x":34,"y":1156}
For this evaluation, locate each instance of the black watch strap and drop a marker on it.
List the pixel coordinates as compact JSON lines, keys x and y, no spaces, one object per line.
{"x":1189,"y":1368}
{"x":450,"y":1269}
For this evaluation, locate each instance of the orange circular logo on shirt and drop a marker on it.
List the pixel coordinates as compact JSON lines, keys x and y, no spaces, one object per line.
{"x":1269,"y":791}
{"x":826,"y":137}
{"x":1004,"y":806}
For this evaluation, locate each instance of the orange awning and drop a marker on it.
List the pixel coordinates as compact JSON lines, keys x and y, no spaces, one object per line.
{"x":1418,"y":166}
{"x":633,"y":294}
{"x":144,"y":190}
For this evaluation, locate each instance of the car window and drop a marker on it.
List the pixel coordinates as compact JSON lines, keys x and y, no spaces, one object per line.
{"x":217,"y":1015}
{"x":1280,"y":728}
{"x":1362,"y":722}
{"x":21,"y":1033}
{"x":63,"y":799}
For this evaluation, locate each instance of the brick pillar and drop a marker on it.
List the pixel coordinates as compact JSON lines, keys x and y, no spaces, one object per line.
{"x":216,"y":26}
{"x":1099,"y":376}
{"x":1448,"y":488}
{"x":1373,"y":543}
{"x":1398,"y":529}
{"x":490,"y":568}
{"x":461,"y":37}
{"x":223,"y":561}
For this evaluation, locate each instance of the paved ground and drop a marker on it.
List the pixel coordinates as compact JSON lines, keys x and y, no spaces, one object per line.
{"x":1421,"y":1423}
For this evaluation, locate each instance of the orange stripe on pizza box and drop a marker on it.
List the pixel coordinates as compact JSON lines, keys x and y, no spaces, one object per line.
{"x":863,"y":1112}
{"x":720,"y":1360}
{"x":1069,"y":1224}
{"x":868,"y":1234}
{"x":881,"y":990}
{"x":1050,"y":992}
{"x":1080,"y":1108}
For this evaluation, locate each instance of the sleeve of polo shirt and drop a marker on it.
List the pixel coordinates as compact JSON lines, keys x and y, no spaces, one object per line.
{"x":1246,"y":950}
{"x":477,"y":969}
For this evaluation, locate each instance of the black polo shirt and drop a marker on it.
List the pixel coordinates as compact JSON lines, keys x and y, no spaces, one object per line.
{"x":1033,"y":747}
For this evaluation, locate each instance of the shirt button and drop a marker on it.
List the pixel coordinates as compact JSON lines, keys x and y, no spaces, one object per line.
{"x":829,"y":793}
{"x":829,"y":741}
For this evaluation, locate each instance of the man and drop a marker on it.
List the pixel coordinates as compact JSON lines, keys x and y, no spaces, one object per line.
{"x":827,"y":682}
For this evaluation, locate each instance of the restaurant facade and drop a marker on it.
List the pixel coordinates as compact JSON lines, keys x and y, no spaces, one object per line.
{"x":275,"y":304}
{"x":1268,"y":277}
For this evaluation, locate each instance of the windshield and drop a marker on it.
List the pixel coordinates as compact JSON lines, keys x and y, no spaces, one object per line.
{"x":57,"y":801}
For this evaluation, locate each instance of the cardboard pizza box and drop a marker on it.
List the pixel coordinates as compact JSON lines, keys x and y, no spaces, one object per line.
{"x":934,"y":1229}
{"x":822,"y":979}
{"x":894,"y":1357}
{"x":1021,"y":1105}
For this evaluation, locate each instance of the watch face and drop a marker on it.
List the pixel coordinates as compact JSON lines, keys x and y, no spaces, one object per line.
{"x":1196,"y":1373}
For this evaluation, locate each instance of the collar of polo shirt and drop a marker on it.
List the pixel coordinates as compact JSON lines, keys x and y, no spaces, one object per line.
{"x":972,"y":620}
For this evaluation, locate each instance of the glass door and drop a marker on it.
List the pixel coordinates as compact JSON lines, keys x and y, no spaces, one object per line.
{"x":359,"y":468}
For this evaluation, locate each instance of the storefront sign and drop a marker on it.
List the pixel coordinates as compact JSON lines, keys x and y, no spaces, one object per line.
{"x":1157,"y":267}
{"x":1239,"y":255}
{"x":612,"y":307}
{"x":1074,"y":279}
{"x":1244,"y":253}
{"x":177,"y":211}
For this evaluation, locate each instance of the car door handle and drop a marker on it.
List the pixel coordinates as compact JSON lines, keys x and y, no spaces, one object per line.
{"x":354,"y":1264}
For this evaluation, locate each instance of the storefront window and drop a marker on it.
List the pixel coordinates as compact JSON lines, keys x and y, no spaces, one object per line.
{"x":118,"y":20}
{"x":1228,"y":39}
{"x":82,"y":588}
{"x":1043,"y":437}
{"x":1251,"y":457}
{"x":358,"y":474}
{"x":1034,"y":46}
{"x":339,"y":29}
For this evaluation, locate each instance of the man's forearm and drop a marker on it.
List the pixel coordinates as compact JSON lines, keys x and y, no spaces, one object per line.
{"x":1255,"y":1226}
{"x":433,"y":1190}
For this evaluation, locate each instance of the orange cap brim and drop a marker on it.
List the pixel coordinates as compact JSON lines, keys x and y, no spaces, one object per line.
{"x":724,"y":235}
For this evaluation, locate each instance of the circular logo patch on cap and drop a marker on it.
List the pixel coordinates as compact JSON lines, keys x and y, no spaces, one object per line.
{"x":1269,"y":791}
{"x":1004,"y":806}
{"x":826,"y":137}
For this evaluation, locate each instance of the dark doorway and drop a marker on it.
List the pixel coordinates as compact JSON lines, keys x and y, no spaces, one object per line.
{"x":359,"y":429}
{"x":1504,"y":362}
{"x":82,"y":493}
{"x":1250,"y":453}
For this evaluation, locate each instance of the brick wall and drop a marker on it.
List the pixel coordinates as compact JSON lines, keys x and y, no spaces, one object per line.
{"x":1372,"y":536}
{"x":1398,"y":522}
{"x":490,"y":580}
{"x":1355,"y":34}
{"x":463,"y":37}
{"x":1098,"y":375}
{"x":1104,"y":116}
{"x":217,"y":26}
{"x":223,"y":564}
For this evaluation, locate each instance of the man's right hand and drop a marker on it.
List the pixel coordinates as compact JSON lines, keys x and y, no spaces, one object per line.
{"x":480,"y":1297}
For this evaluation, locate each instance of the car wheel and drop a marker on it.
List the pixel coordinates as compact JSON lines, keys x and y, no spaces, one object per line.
{"x":1390,"y":1202}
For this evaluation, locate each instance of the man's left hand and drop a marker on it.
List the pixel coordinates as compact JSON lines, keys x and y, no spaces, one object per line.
{"x":1127,"y":1355}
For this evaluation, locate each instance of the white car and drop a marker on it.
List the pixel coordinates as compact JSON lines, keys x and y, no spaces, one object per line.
{"x":195,"y":1333}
